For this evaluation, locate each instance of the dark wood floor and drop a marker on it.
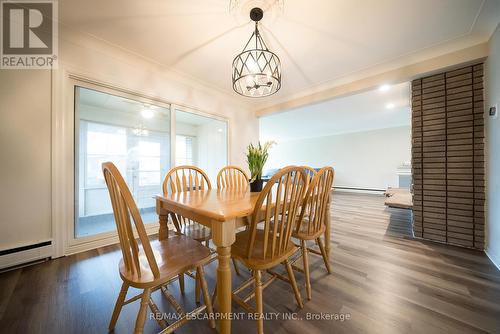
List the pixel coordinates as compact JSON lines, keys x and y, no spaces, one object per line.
{"x":385,"y":281}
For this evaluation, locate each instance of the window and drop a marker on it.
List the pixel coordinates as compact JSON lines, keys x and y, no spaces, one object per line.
{"x":149,"y":163}
{"x":200,"y":141}
{"x":103,"y":143}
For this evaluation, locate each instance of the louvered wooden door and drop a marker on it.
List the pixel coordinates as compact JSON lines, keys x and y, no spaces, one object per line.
{"x":448,"y":157}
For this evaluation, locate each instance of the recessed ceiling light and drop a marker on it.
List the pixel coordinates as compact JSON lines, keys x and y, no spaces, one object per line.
{"x":389,"y":105}
{"x":384,"y":88}
{"x":147,"y":113}
{"x":220,"y":130}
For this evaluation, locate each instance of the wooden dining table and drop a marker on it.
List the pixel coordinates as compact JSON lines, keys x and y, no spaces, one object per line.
{"x":223,"y":211}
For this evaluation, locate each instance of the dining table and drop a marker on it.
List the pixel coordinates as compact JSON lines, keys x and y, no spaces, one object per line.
{"x":224,"y":211}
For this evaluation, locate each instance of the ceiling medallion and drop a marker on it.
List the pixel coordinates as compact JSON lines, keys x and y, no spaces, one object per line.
{"x":256,"y":70}
{"x":239,"y":9}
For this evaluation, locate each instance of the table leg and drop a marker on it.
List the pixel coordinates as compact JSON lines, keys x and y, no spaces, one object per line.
{"x":223,"y":235}
{"x":163,"y":219}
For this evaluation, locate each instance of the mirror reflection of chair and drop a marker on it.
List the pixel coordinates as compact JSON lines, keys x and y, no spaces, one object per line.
{"x":264,"y":247}
{"x":150,"y":266}
{"x":189,"y":178}
{"x":232,"y":177}
{"x":312,"y":220}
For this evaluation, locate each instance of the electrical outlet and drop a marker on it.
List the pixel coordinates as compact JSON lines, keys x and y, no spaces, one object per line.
{"x":494,"y":111}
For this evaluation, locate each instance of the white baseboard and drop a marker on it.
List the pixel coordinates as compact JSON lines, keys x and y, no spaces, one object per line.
{"x":493,"y":258}
{"x":359,"y":191}
{"x":99,"y":241}
{"x":29,"y":255}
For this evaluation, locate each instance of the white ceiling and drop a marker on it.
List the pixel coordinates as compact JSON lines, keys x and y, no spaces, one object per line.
{"x":318,"y":41}
{"x":361,"y":112}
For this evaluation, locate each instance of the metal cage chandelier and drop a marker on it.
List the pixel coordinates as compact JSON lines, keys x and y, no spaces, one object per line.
{"x":256,"y":70}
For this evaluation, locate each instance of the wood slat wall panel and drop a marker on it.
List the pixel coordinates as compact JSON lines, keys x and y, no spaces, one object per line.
{"x":448,"y":157}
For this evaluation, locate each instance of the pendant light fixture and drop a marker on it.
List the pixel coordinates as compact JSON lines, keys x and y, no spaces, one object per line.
{"x":256,"y":70}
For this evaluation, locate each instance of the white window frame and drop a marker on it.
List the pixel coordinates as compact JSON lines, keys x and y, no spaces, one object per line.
{"x":64,"y":111}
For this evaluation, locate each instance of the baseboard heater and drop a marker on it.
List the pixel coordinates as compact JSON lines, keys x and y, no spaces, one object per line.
{"x":358,"y":189}
{"x":25,"y":254}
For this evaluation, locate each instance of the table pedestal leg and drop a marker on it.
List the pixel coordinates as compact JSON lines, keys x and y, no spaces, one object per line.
{"x":163,"y":219}
{"x":224,"y":288}
{"x":223,"y":234}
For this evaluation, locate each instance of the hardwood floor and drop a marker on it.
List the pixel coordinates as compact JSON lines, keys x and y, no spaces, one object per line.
{"x":385,"y":281}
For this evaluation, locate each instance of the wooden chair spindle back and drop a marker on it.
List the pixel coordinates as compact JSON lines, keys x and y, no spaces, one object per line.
{"x":185,"y":178}
{"x":316,"y":200}
{"x":232,"y":177}
{"x":310,"y":173}
{"x":277,"y":208}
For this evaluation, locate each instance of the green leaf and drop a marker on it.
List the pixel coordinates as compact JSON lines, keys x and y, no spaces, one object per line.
{"x":257,"y":157}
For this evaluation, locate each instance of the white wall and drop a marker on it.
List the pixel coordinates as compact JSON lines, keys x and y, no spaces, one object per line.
{"x":25,"y":124}
{"x":25,"y":157}
{"x":493,"y":151}
{"x":361,"y":160}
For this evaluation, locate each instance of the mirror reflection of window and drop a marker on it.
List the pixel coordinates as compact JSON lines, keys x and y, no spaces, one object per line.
{"x":132,"y":135}
{"x":184,"y":150}
{"x":201,"y":141}
{"x":136,"y":137}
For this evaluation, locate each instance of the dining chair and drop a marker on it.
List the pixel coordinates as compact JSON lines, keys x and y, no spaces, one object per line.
{"x":310,"y":172}
{"x":232,"y":177}
{"x":264,"y":247}
{"x":189,"y":178}
{"x":150,"y":266}
{"x":312,"y":220}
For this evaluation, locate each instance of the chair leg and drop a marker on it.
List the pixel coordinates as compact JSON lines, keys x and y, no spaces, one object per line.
{"x":118,"y":306}
{"x":141,"y":316}
{"x":324,"y":255}
{"x":181,"y":283}
{"x":214,"y":297}
{"x":291,"y":276}
{"x":197,"y":288}
{"x":206,"y":296}
{"x":235,"y":264}
{"x":305,"y":259}
{"x":258,"y":301}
